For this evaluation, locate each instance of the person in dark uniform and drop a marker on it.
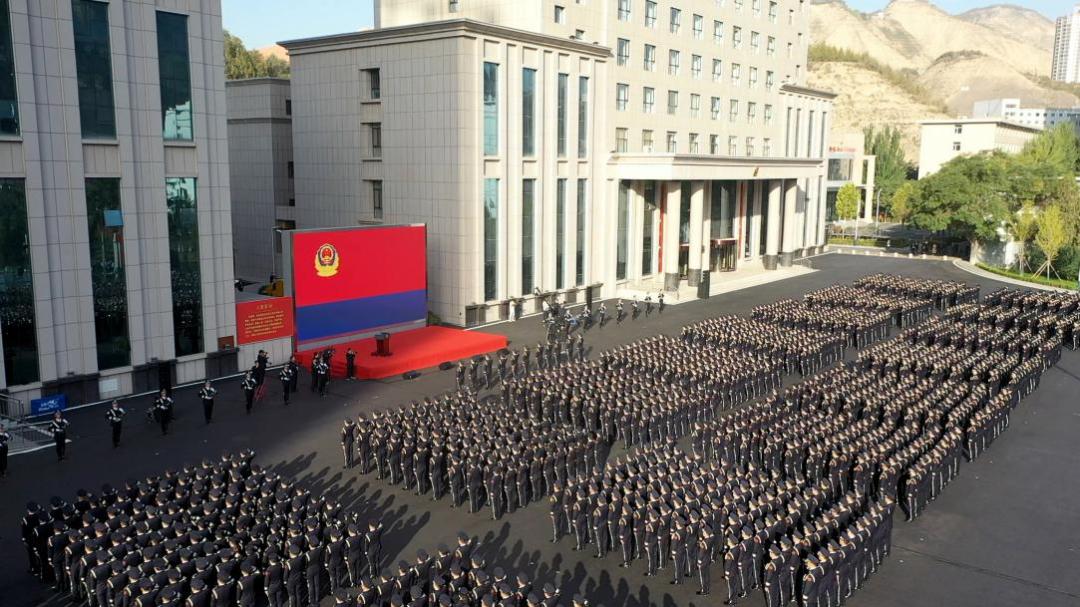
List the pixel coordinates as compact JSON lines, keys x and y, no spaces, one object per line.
{"x":335,"y":559}
{"x":286,"y":378}
{"x":261,"y":362}
{"x":348,"y":442}
{"x":314,"y":372}
{"x":294,"y":370}
{"x":373,"y":547}
{"x":115,"y":416}
{"x":200,"y":594}
{"x":294,"y":575}
{"x":5,"y":439}
{"x":660,"y":304}
{"x":247,"y":585}
{"x":163,"y":407}
{"x":206,"y":395}
{"x":322,"y":372}
{"x":58,"y":428}
{"x":224,"y":594}
{"x":350,"y":364}
{"x":313,"y":569}
{"x":248,"y":385}
{"x":354,"y":554}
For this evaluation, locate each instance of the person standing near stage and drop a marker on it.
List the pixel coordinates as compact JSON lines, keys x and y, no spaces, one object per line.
{"x":294,"y":369}
{"x":58,"y":428}
{"x":163,"y":408}
{"x":348,"y":442}
{"x":261,"y":361}
{"x":206,"y":395}
{"x":314,"y":372}
{"x":5,"y":438}
{"x":115,"y":415}
{"x":322,"y":373}
{"x":248,"y":385}
{"x":286,"y":377}
{"x":350,"y":364}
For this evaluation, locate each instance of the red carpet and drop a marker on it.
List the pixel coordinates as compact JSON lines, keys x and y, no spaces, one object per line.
{"x":412,"y":350}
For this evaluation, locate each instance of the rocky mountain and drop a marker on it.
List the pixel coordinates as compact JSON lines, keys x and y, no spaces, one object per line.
{"x":948,"y":60}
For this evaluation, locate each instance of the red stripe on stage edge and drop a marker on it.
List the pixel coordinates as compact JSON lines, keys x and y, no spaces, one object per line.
{"x":336,"y":265}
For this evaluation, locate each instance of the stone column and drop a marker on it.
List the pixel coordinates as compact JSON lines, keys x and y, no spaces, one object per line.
{"x":772,"y":234}
{"x":697,"y":204}
{"x":672,"y":202}
{"x":789,"y":240}
{"x":706,"y":227}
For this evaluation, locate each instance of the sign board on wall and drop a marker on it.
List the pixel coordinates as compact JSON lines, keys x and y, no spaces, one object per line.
{"x":264,"y":320}
{"x":48,"y":404}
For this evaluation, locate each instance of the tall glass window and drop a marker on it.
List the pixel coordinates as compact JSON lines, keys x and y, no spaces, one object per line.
{"x":491,"y":239}
{"x":528,"y":112}
{"x":561,"y":99}
{"x":17,"y":327}
{"x":582,"y":199}
{"x":560,"y":234}
{"x":528,"y":197}
{"x":722,"y":210}
{"x":9,"y":98}
{"x":491,"y":109}
{"x":762,"y":190}
{"x":174,"y":70}
{"x":647,"y":228}
{"x":583,"y":116}
{"x":184,"y":265}
{"x":106,"y":225}
{"x":93,"y":68}
{"x":624,"y":224}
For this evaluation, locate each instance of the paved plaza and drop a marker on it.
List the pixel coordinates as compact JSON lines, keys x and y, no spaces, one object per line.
{"x":1004,"y":532}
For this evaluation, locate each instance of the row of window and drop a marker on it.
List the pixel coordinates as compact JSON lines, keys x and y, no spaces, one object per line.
{"x":105,"y":223}
{"x":694,"y":144}
{"x":625,"y":12}
{"x":648,"y":105}
{"x":529,"y":115}
{"x":93,"y":67}
{"x":623,"y":58}
{"x":492,"y":210}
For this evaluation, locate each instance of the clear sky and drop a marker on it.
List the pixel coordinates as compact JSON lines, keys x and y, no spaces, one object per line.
{"x":263,"y":22}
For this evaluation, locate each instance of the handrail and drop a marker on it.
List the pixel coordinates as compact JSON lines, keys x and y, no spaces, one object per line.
{"x":11,"y":407}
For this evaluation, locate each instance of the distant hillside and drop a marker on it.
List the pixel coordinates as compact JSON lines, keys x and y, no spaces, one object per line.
{"x":941,"y":61}
{"x":274,"y":50}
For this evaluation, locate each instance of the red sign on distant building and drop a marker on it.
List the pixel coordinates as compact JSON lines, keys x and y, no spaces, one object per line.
{"x":264,"y":320}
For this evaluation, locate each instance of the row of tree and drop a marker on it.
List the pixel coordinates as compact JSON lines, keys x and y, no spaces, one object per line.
{"x":241,"y":62}
{"x":990,"y":197}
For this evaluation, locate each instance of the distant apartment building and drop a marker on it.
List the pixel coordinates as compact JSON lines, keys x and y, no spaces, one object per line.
{"x":1036,"y":117}
{"x":849,"y":163}
{"x":1065,"y":66}
{"x":943,"y":140}
{"x":115,"y":241}
{"x":570,"y":147}
{"x":261,"y":174}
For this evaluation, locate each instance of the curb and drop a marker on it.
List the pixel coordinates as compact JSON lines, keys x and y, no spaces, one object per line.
{"x":973,"y":269}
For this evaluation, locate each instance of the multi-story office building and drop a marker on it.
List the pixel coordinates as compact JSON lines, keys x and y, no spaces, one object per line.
{"x":115,"y":242}
{"x":1036,"y":117}
{"x":554,"y":146}
{"x":1065,"y":66}
{"x":849,"y":163}
{"x":260,"y":173}
{"x":943,"y":140}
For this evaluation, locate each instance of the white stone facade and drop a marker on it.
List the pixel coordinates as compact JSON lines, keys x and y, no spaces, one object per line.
{"x":53,"y":160}
{"x":764,"y":154}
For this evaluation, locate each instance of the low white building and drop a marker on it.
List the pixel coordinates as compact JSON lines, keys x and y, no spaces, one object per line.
{"x":943,"y":140}
{"x":1037,"y":117}
{"x":849,"y":163}
{"x":115,"y":241}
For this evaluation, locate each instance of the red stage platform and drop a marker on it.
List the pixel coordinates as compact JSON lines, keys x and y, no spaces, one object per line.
{"x":412,"y":350}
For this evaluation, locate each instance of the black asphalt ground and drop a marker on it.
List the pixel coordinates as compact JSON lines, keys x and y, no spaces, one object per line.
{"x":1005,"y":532}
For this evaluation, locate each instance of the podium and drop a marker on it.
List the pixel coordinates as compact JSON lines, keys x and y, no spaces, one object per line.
{"x":382,"y":344}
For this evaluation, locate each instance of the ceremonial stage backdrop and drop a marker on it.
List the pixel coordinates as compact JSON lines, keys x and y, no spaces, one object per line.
{"x":352,"y":281}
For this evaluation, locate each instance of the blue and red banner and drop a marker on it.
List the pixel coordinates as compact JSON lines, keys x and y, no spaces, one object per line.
{"x":356,"y":280}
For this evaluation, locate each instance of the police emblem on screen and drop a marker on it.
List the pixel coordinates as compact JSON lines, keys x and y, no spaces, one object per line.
{"x":326,"y":261}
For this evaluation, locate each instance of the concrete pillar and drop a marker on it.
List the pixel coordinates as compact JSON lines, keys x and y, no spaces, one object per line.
{"x":697,"y":204}
{"x":772,"y":234}
{"x":706,"y":226}
{"x":810,"y":220}
{"x":789,"y":240}
{"x":672,"y":202}
{"x":755,"y":204}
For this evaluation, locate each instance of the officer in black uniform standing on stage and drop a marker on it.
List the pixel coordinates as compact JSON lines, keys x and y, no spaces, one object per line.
{"x":58,"y":429}
{"x":350,"y":364}
{"x":115,"y":415}
{"x":206,"y":395}
{"x":286,"y":377}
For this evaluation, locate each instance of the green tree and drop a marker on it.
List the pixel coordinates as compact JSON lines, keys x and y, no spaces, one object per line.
{"x":900,"y":204}
{"x":891,"y":167}
{"x":847,"y":201}
{"x":241,"y":62}
{"x":1024,"y":225}
{"x":1053,"y":236}
{"x":968,"y":196}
